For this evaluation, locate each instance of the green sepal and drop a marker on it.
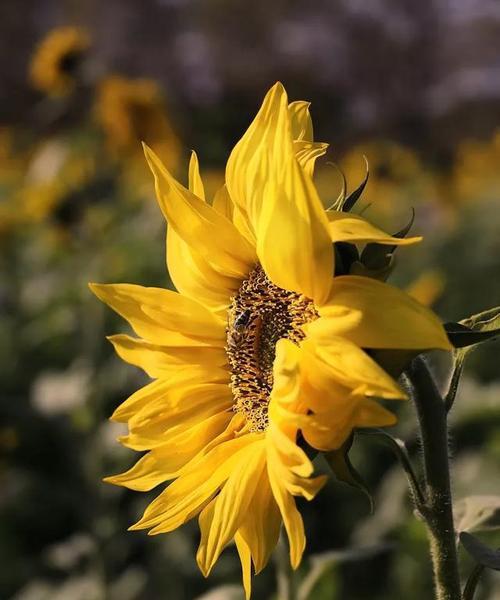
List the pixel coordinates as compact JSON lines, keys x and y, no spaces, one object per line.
{"x":382,"y":274}
{"x":354,"y":196}
{"x":345,"y":256}
{"x":480,"y":552}
{"x":462,"y":336}
{"x":343,"y":469}
{"x":376,"y":257}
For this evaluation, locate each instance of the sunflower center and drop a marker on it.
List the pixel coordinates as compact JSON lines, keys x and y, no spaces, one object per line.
{"x":260,"y":314}
{"x":70,"y":61}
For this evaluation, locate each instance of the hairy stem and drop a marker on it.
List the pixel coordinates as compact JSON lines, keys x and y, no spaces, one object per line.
{"x":438,"y":513}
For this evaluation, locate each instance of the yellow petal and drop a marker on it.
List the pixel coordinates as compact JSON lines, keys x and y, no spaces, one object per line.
{"x":257,"y":154}
{"x":306,"y":150}
{"x":300,"y":119}
{"x":330,"y":429}
{"x":199,"y":225}
{"x":261,"y":527}
{"x":153,"y":311}
{"x":222,"y":203}
{"x":291,"y":517}
{"x":373,"y":314}
{"x":346,"y":227}
{"x":195,"y":277}
{"x":178,"y":381}
{"x":307,"y":153}
{"x":291,"y":465}
{"x":219,"y":523}
{"x":340,"y":361}
{"x":246,"y":566}
{"x":165,"y":462}
{"x":162,"y":361}
{"x":167,"y":427}
{"x":286,"y":372}
{"x":195,"y":181}
{"x":187,"y":495}
{"x":191,"y":273}
{"x":372,"y":414}
{"x":181,"y":394}
{"x":293,"y":243}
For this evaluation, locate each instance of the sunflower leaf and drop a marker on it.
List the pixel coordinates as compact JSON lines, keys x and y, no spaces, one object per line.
{"x":354,"y":196}
{"x":465,"y":336}
{"x":480,"y":552}
{"x":343,"y":469}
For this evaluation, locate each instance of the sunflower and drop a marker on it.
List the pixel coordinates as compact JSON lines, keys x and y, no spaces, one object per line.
{"x":262,"y":351}
{"x":131,"y":110}
{"x":56,"y":60}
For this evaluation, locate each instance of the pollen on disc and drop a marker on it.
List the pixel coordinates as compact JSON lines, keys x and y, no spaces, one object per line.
{"x":260,"y":314}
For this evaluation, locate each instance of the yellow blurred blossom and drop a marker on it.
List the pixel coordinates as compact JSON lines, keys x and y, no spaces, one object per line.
{"x":131,"y":111}
{"x":56,"y":60}
{"x":476,"y":172}
{"x":428,"y":287}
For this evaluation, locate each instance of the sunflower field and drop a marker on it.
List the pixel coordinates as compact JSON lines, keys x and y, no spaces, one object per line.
{"x":249,"y":300}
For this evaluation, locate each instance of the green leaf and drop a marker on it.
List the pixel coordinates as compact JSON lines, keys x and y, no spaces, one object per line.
{"x":465,"y":336}
{"x":342,"y":468}
{"x":487,"y":320}
{"x":477,"y":513}
{"x":354,"y":196}
{"x":480,"y":552}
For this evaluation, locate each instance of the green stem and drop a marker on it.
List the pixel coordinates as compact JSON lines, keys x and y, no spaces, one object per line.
{"x":438,"y":513}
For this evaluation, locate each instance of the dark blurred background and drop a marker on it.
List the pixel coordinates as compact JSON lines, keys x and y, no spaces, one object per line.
{"x":414,"y":86}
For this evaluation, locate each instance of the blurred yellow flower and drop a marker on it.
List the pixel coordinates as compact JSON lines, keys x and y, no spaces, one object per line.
{"x":260,"y":347}
{"x":476,"y":173}
{"x":131,"y":111}
{"x":54,"y":175}
{"x":428,"y":287}
{"x":56,"y":60}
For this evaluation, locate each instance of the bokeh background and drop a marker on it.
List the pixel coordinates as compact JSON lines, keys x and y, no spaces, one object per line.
{"x":414,"y":86}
